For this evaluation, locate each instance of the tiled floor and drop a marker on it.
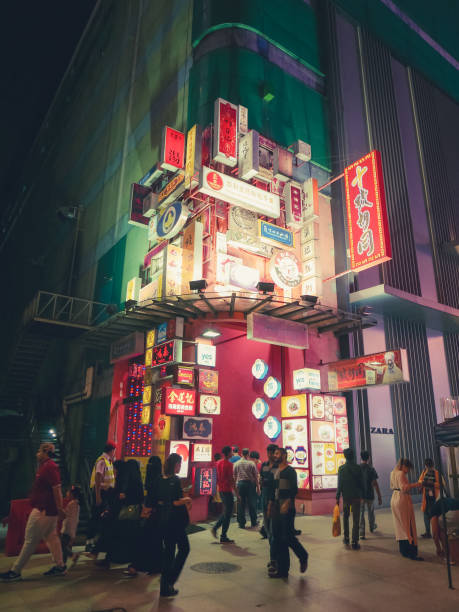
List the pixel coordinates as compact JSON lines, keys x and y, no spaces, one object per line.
{"x":375,"y":578}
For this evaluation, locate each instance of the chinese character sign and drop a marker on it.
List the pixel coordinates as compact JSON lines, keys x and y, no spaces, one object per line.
{"x":180,"y":401}
{"x":369,"y":240}
{"x":225,"y":132}
{"x":173,"y":149}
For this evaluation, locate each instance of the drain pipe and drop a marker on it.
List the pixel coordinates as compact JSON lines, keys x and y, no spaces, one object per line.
{"x":80,"y":396}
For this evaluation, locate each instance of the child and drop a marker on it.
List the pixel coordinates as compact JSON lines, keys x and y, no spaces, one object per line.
{"x":70,"y":523}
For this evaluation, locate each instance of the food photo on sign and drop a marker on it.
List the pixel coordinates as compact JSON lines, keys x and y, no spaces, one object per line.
{"x":293,"y":406}
{"x":295,"y":441}
{"x":208,"y":381}
{"x":302,"y":478}
{"x":182,"y":448}
{"x":317,"y":406}
{"x":322,"y":431}
{"x":197,"y":428}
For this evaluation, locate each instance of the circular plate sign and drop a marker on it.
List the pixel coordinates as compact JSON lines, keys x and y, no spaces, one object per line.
{"x":272,"y":427}
{"x":285,"y":269}
{"x":272,"y":387}
{"x":172,"y":220}
{"x":259,"y":369}
{"x":260,"y":408}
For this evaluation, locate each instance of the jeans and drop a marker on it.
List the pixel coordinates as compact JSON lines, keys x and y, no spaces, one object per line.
{"x":39,"y":527}
{"x":283,"y":538}
{"x":248,"y":497}
{"x":173,"y":563}
{"x":225,"y":517}
{"x":369,"y":503}
{"x":429,"y":503}
{"x":265,"y":497}
{"x":351,"y":505}
{"x":94,"y":524}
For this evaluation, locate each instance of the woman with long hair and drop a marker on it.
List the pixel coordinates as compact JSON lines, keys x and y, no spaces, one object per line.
{"x":174,"y":520}
{"x":401,"y":506}
{"x":148,"y":550}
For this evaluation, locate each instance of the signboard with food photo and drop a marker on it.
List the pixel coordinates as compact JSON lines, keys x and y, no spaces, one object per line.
{"x":341,"y":434}
{"x":302,"y":478}
{"x":294,"y":406}
{"x":317,"y":406}
{"x":328,"y":407}
{"x":295,"y":441}
{"x":322,"y":432}
{"x":208,"y":381}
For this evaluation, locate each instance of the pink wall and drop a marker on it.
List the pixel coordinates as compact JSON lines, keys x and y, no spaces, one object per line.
{"x":119,"y":390}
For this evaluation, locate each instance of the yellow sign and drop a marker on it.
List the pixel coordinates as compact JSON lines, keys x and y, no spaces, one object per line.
{"x":294,"y":406}
{"x":145,"y":417}
{"x":148,"y":357}
{"x":146,"y":399}
{"x":330,"y":459}
{"x":190,"y":153}
{"x":161,"y":425}
{"x":151,"y":338}
{"x":170,"y":187}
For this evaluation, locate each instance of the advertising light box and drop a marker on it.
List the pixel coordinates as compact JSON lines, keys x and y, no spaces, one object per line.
{"x":206,"y":354}
{"x":172,"y":149}
{"x":204,"y":480}
{"x":182,"y":448}
{"x":180,"y":401}
{"x":201,"y":452}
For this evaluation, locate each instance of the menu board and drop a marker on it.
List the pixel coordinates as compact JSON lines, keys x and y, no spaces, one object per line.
{"x":322,"y":431}
{"x":295,"y":441}
{"x":294,"y":406}
{"x":341,"y":433}
{"x":340,"y":460}
{"x":302,"y":478}
{"x":339,"y":406}
{"x":317,"y":482}
{"x":328,"y":412}
{"x":316,"y":406}
{"x":329,"y":482}
{"x":317,"y":458}
{"x":330,"y":459}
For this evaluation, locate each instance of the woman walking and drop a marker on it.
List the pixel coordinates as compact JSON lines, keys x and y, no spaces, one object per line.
{"x":402,"y":510}
{"x":173,"y":508}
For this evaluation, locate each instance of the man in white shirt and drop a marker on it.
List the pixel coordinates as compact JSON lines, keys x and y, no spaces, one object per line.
{"x":247,"y":488}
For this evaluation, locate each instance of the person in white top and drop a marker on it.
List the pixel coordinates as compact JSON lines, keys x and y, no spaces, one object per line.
{"x":70,"y":523}
{"x":402,"y":510}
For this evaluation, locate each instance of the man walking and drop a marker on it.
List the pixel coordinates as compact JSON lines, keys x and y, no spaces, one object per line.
{"x":370,"y":485}
{"x":430,"y":482}
{"x":47,"y":507}
{"x":267,"y":487}
{"x":225,"y":483}
{"x":282,"y":512}
{"x":247,"y":487}
{"x":102,"y":483}
{"x":350,"y":486}
{"x":235,"y":456}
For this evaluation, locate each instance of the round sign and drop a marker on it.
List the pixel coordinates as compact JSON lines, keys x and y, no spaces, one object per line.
{"x":272,"y":427}
{"x":259,"y":369}
{"x":210,"y":404}
{"x":260,"y":408}
{"x":215,"y":181}
{"x":285,"y":269}
{"x":172,"y":220}
{"x":272,"y":387}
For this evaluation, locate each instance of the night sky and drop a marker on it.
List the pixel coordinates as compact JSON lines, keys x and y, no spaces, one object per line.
{"x":38,"y":38}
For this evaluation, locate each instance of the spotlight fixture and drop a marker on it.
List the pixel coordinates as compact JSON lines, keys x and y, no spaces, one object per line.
{"x":211,"y":333}
{"x":310,"y":299}
{"x":198,"y":285}
{"x":265,"y":287}
{"x":130,"y":304}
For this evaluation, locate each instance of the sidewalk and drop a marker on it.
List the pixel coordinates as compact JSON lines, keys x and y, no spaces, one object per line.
{"x":375,"y":578}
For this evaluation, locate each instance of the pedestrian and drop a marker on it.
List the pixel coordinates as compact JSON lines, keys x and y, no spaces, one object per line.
{"x":47,"y":507}
{"x":281,"y":510}
{"x":450,"y":506}
{"x":350,"y":486}
{"x":70,"y":524}
{"x":235,"y":454}
{"x":429,"y":480}
{"x":254,"y":456}
{"x":370,"y":485}
{"x":148,"y":550}
{"x":401,"y":506}
{"x":267,"y":486}
{"x":225,"y":484}
{"x":174,"y":519}
{"x":102,"y":484}
{"x":247,"y":488}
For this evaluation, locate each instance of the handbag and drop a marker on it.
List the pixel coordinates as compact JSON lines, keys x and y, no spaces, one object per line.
{"x":129,"y":513}
{"x":336,"y":525}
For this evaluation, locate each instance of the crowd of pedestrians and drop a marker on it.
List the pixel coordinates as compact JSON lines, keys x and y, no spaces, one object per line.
{"x":149,"y":533}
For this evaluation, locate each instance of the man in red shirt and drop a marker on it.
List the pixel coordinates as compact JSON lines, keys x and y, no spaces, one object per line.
{"x":47,"y":507}
{"x":225,"y":482}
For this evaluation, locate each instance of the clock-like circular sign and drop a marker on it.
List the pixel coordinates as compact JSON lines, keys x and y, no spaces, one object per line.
{"x":285,"y":269}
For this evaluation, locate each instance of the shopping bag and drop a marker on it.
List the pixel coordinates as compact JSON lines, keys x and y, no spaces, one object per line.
{"x":336,"y":526}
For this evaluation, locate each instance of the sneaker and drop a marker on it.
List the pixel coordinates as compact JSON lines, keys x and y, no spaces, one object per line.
{"x":168,"y":591}
{"x":213,"y":531}
{"x":297,"y":531}
{"x":375,"y":526}
{"x":225,"y":540}
{"x":355,"y":546}
{"x":56,"y":571}
{"x":346,"y":541}
{"x":425,"y":535}
{"x":263,"y":533}
{"x":304,"y":566}
{"x":10,"y":576}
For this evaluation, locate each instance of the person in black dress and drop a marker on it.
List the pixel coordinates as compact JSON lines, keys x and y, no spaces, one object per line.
{"x":148,"y":550}
{"x":173,"y":509}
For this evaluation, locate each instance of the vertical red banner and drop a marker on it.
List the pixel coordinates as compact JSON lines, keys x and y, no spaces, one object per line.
{"x":173,"y":149}
{"x":225,"y":133}
{"x":369,"y":239}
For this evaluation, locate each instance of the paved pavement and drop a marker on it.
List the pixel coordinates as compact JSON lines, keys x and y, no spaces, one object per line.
{"x":375,"y":578}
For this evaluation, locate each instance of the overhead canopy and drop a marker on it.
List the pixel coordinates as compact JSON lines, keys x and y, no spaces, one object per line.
{"x":447,"y":433}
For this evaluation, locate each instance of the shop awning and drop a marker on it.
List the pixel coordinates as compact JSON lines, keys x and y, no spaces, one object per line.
{"x":447,"y":433}
{"x":393,"y":302}
{"x":229,"y":305}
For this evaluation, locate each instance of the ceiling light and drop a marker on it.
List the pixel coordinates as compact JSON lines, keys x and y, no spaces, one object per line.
{"x":211,"y":333}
